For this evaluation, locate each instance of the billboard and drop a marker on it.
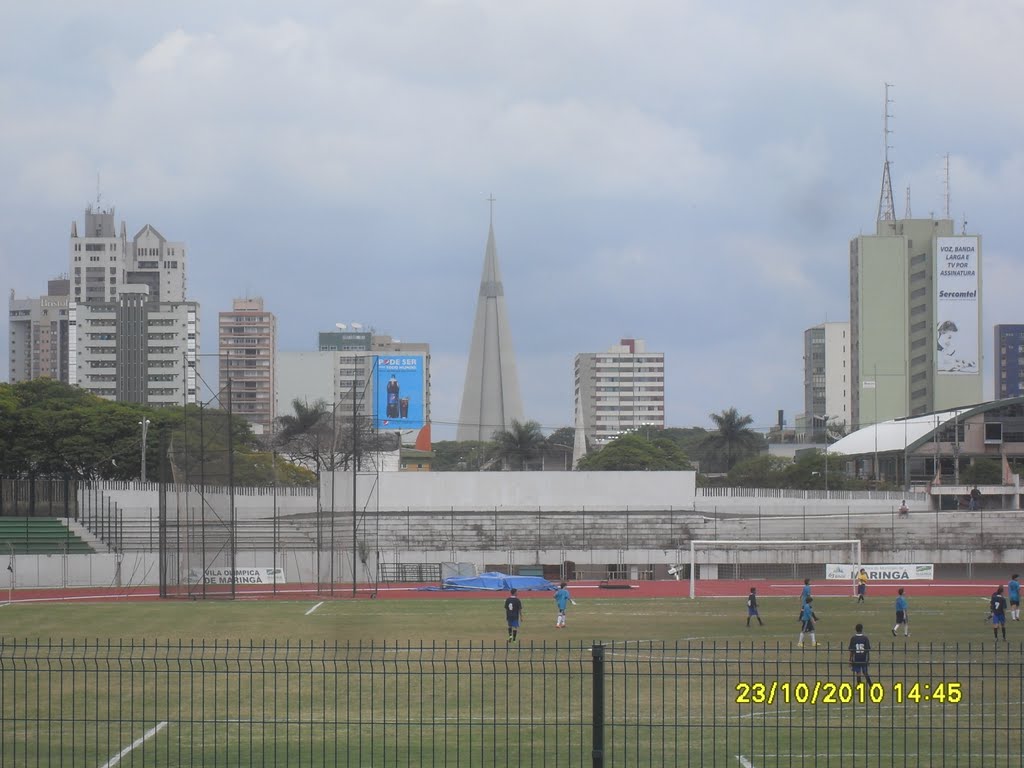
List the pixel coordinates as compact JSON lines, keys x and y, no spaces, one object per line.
{"x":885,"y":572}
{"x":398,"y":393}
{"x":956,"y":305}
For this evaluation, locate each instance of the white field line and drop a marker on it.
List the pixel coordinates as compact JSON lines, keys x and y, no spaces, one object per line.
{"x":744,"y":762}
{"x":314,"y":608}
{"x":138,"y":742}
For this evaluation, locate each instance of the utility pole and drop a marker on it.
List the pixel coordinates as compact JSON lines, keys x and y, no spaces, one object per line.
{"x":145,"y":430}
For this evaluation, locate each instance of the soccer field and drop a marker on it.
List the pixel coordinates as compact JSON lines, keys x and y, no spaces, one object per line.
{"x":433,"y":681}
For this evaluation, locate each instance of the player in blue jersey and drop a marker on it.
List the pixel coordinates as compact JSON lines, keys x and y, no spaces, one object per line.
{"x":1014,"y":589}
{"x":513,"y":615}
{"x":562,"y":600}
{"x":752,"y":607}
{"x":997,"y":605}
{"x":860,"y":652}
{"x":902,"y":615}
{"x":805,"y":594}
{"x":807,"y":619}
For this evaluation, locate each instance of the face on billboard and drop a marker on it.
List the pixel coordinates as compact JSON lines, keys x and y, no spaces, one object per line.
{"x":398,"y":395}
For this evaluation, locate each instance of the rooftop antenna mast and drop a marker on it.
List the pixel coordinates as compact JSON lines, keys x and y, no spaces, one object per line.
{"x":491,"y":199}
{"x":947,"y":195}
{"x":886,"y":208}
{"x":906,"y":212}
{"x":99,"y":195}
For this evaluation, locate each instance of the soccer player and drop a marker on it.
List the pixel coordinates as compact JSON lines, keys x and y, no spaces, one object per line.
{"x":513,"y":615}
{"x":807,"y":619}
{"x":1014,"y":589}
{"x":862,"y":585}
{"x":752,"y":607}
{"x":860,"y":651}
{"x":805,"y":595}
{"x":902,"y":615}
{"x":997,"y":605}
{"x":562,"y":600}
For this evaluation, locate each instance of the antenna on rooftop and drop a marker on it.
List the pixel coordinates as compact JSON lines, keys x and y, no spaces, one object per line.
{"x":357,"y":326}
{"x":340,"y":326}
{"x":948,"y":196}
{"x":906,"y":211}
{"x":886,"y":208}
{"x":99,"y":195}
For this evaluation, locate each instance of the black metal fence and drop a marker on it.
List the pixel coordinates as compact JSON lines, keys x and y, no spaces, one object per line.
{"x":463,"y":704}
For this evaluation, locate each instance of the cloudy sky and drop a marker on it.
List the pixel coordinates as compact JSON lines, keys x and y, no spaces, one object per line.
{"x":689,"y":173}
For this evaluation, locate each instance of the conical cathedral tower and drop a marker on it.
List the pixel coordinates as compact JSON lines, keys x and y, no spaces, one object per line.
{"x":490,"y":397}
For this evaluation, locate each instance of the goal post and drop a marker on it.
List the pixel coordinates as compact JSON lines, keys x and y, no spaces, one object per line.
{"x":766,"y":559}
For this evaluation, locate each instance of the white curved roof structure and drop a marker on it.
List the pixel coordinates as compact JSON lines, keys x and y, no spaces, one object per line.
{"x":895,"y":434}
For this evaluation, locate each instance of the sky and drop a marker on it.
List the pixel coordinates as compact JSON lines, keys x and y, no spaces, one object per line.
{"x":687,"y":173}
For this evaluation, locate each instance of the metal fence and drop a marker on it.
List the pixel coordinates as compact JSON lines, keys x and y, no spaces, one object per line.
{"x":464,"y":704}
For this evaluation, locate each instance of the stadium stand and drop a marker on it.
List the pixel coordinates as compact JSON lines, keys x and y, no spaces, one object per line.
{"x":39,"y":536}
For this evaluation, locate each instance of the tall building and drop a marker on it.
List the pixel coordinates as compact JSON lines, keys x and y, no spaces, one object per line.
{"x":39,"y":334}
{"x":490,"y":396}
{"x":826,"y":376}
{"x":915,"y":320}
{"x":388,"y":379}
{"x":1008,"y":352}
{"x":247,"y":337}
{"x":133,"y":335}
{"x":621,"y":390}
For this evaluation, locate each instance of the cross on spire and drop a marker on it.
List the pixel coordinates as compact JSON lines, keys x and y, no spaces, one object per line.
{"x":490,"y":199}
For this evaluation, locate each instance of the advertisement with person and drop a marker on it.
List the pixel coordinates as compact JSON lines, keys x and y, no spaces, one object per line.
{"x":956,"y":305}
{"x":399,"y":393}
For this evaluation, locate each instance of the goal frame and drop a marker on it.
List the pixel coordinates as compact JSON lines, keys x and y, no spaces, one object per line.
{"x":853,"y":544}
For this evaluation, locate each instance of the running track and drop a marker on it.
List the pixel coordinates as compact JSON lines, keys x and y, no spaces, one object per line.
{"x":623,"y":589}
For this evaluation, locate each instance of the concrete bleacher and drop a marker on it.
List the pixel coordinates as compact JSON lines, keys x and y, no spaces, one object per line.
{"x":40,"y":536}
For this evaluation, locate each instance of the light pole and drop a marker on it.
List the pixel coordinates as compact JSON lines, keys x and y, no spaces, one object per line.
{"x":145,"y":430}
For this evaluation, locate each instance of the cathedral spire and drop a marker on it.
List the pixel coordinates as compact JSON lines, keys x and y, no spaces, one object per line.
{"x":490,"y":397}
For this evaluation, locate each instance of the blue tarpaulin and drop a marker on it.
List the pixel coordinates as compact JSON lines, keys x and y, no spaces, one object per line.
{"x":498,"y":582}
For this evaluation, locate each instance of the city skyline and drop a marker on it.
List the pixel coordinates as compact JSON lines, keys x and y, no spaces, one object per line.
{"x":691,"y":176}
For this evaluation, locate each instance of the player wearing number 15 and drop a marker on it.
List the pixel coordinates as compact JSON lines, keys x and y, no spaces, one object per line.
{"x":998,"y":607}
{"x":860,"y":653}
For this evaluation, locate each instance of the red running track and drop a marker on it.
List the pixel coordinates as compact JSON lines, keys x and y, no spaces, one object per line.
{"x":635,"y":589}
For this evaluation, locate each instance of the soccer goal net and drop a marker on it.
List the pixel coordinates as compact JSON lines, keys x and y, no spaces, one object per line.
{"x":712,"y":561}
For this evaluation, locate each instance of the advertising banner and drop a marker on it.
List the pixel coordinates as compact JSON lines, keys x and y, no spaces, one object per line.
{"x":956,"y":305}
{"x":241,"y":576}
{"x":883,"y":572}
{"x":398,"y":394}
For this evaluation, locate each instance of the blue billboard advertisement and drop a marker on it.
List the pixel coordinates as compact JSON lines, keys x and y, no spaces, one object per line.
{"x":398,"y":394}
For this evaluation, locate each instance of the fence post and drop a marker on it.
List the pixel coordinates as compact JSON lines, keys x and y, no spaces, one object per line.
{"x":597,"y":753}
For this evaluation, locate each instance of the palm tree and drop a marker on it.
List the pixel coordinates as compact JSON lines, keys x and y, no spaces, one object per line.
{"x":733,"y":437}
{"x":518,"y":444}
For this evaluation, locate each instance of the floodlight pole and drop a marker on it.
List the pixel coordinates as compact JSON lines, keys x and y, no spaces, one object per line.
{"x":355,"y":475}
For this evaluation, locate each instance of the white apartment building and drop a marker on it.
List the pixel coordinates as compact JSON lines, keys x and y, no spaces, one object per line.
{"x":620,"y":390}
{"x":828,"y":383}
{"x":132,"y":334}
{"x":132,"y":350}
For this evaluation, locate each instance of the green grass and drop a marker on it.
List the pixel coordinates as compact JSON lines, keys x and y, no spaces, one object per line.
{"x":432,"y":681}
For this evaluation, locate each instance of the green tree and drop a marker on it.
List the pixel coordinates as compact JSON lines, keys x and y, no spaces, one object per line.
{"x":633,"y":452}
{"x":460,"y":455}
{"x":518,"y":445}
{"x":732,"y":439}
{"x":763,"y":471}
{"x":982,"y":472}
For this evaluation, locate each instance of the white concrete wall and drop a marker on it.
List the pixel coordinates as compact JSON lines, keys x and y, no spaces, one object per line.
{"x":443,"y":491}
